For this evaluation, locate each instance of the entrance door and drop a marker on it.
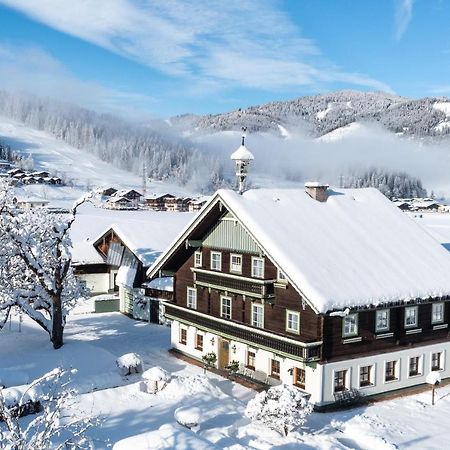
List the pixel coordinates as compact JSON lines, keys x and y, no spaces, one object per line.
{"x":224,"y":353}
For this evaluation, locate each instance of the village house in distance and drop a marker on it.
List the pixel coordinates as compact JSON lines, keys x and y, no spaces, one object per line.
{"x":331,"y":290}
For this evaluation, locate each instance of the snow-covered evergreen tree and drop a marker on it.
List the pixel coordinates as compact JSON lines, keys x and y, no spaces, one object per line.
{"x":391,"y":184}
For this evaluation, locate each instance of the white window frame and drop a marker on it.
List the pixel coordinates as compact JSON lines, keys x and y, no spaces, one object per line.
{"x":257,"y":306}
{"x":239,"y":270}
{"x":388,"y":320}
{"x":213,"y":253}
{"x":293,"y":313}
{"x":396,"y":371}
{"x":222,"y":298}
{"x":199,"y":333}
{"x":416,"y":316}
{"x":200,"y":257}
{"x":419,"y":366}
{"x":347,"y":376}
{"x":441,"y":360}
{"x":191,"y":300}
{"x":371,"y":376}
{"x":281,"y":277}
{"x":434,"y":306}
{"x":254,"y":259}
{"x":350,"y":332}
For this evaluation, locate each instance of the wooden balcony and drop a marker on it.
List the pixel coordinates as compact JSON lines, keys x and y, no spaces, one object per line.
{"x":301,"y":351}
{"x":251,"y":287}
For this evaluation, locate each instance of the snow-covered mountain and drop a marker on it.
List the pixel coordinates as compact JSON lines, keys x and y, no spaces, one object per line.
{"x":317,"y":137}
{"x":321,"y":114}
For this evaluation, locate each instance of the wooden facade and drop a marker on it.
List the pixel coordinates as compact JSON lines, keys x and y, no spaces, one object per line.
{"x":320,"y":342}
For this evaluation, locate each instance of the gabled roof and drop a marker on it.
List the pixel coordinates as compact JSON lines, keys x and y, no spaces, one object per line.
{"x":147,"y":240}
{"x":355,"y":249}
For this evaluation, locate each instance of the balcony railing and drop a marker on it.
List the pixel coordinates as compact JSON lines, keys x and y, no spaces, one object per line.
{"x":252,"y":287}
{"x":306,"y":352}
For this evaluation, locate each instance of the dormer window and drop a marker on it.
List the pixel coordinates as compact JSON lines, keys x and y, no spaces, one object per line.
{"x":437,"y":313}
{"x":216,"y":261}
{"x":411,"y":317}
{"x":382,"y":320}
{"x":198,"y":259}
{"x":257,"y":267}
{"x":350,"y":325}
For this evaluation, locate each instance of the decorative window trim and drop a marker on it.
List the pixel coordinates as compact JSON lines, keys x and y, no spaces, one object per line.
{"x":411,"y":308}
{"x":257,"y":258}
{"x":222,"y":298}
{"x":386,"y":328}
{"x":200,"y":262}
{"x":188,"y":297}
{"x":295,"y":313}
{"x":433,"y":306}
{"x":211,"y":261}
{"x":239,"y":271}
{"x":351,"y":333}
{"x":261,"y":307}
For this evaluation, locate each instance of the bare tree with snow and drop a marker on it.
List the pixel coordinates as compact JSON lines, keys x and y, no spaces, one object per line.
{"x":35,"y":265}
{"x":56,"y":426}
{"x":281,"y":408}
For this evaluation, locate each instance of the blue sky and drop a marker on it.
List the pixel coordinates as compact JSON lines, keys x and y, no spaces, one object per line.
{"x":142,"y":58}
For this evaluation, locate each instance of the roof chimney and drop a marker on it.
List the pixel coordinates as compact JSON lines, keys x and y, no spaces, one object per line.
{"x":317,"y":190}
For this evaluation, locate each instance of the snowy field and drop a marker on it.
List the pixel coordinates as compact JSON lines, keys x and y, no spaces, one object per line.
{"x":135,"y":420}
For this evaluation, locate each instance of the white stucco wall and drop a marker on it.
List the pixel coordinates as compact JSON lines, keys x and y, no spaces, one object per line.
{"x":98,"y":283}
{"x":319,"y":378}
{"x":378,"y":370}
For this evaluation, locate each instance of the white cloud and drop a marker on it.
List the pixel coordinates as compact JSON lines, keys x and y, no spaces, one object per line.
{"x":33,"y":70}
{"x":403,"y":16}
{"x":245,"y":43}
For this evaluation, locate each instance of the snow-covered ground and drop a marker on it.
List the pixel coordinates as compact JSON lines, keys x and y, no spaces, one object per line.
{"x":135,"y":420}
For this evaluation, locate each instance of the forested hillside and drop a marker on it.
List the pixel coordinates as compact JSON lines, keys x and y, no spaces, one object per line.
{"x":125,"y":145}
{"x":321,"y":114}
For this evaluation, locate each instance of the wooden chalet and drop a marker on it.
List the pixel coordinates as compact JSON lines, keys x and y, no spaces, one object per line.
{"x":157,"y":202}
{"x":335,"y":291}
{"x":117,"y":260}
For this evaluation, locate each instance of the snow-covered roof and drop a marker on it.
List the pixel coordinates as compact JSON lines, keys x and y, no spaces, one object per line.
{"x":355,"y":249}
{"x":242,"y":153}
{"x":119,"y":199}
{"x":146,"y":240}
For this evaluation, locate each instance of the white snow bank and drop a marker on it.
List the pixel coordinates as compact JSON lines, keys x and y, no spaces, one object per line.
{"x":156,"y":374}
{"x":168,"y":437}
{"x":21,"y":394}
{"x":188,"y":416}
{"x":191,"y":385}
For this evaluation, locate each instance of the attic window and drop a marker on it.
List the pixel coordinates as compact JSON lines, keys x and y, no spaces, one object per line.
{"x":281,"y":277}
